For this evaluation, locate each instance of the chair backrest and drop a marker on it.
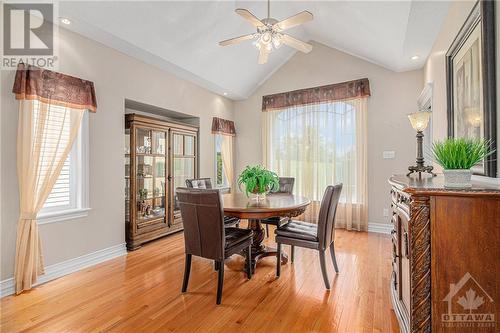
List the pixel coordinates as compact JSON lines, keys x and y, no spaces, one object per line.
{"x":326,"y":218}
{"x":285,"y":185}
{"x":203,"y":219}
{"x":202,"y":183}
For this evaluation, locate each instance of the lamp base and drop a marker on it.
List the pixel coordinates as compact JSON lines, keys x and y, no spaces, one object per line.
{"x":420,"y":169}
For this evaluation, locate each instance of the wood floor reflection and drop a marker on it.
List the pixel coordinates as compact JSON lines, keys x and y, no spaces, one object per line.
{"x":141,"y":293}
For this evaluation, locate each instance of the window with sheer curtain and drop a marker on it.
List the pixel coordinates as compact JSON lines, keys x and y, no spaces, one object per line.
{"x":224,"y":132}
{"x":321,"y":144}
{"x":69,"y":196}
{"x":220,"y":173}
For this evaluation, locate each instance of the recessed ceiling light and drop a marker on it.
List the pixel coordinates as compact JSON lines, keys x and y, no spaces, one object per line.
{"x":225,"y":94}
{"x":65,"y":21}
{"x":415,"y":57}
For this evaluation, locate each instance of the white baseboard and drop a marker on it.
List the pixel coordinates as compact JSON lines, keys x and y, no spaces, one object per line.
{"x":381,"y":228}
{"x":69,"y":266}
{"x":6,"y":287}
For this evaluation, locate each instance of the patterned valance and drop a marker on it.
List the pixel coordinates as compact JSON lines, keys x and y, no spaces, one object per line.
{"x":331,"y":92}
{"x":223,"y":126}
{"x":33,"y":83}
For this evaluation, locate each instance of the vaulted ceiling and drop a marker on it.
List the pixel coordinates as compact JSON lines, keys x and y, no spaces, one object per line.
{"x":182,"y":37}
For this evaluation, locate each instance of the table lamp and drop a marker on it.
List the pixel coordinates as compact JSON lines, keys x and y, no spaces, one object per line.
{"x":419,"y":121}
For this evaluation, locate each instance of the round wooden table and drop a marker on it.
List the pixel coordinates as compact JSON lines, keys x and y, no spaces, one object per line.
{"x":283,"y":205}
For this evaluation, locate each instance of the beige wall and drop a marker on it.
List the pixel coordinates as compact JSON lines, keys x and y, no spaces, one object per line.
{"x":116,"y":77}
{"x":435,"y":70}
{"x":394,"y":95}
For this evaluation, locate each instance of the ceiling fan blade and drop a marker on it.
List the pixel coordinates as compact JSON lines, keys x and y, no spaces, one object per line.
{"x":263,"y":55}
{"x":249,"y":17}
{"x":294,"y":20}
{"x":296,"y":44}
{"x":236,"y":40}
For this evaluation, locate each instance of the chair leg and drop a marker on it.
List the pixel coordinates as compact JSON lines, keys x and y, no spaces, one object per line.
{"x":187,"y":271}
{"x":267,"y":230}
{"x":334,"y":259}
{"x":278,"y":260}
{"x":292,"y":254}
{"x":249,"y":262}
{"x":220,"y":282}
{"x":323,"y":268}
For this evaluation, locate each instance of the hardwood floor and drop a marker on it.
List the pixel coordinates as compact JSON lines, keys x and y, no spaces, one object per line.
{"x":141,"y":293}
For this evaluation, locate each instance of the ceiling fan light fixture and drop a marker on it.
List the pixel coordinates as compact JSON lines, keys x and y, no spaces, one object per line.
{"x":266,"y":37}
{"x":269,"y":35}
{"x":277,"y":41}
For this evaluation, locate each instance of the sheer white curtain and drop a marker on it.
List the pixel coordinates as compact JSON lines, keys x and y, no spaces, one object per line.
{"x":322,"y":144}
{"x":51,"y":107}
{"x":227,"y":157}
{"x":44,"y":139}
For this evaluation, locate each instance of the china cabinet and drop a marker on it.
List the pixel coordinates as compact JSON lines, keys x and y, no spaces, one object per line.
{"x":159,"y":157}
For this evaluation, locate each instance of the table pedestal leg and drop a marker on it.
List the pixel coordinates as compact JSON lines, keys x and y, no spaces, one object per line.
{"x":259,"y":250}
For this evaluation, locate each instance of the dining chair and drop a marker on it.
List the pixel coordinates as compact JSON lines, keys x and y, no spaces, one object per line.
{"x":318,"y":237}
{"x":206,"y":236}
{"x":206,"y":183}
{"x":285,"y":187}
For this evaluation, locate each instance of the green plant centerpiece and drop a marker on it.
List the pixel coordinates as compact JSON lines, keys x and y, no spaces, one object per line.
{"x":258,"y":180}
{"x":457,"y":156}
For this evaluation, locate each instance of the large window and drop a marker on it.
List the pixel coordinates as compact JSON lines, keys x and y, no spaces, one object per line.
{"x":69,"y":196}
{"x":322,"y":144}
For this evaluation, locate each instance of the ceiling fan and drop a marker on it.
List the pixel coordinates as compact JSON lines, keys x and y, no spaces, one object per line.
{"x":270,"y":34}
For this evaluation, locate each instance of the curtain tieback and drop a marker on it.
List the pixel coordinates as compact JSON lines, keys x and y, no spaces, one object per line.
{"x":28,"y":216}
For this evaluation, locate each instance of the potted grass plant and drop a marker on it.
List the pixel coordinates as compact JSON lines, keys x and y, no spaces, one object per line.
{"x":457,"y":156}
{"x":258,"y":180}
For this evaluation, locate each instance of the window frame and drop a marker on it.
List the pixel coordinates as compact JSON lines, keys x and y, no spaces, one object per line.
{"x":79,"y":181}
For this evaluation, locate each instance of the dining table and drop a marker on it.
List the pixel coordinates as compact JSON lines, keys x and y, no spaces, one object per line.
{"x":254,"y":210}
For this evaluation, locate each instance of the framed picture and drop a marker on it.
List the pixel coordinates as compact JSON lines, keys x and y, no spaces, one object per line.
{"x":470,"y":82}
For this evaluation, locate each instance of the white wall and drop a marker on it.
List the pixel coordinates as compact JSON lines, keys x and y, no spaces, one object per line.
{"x":435,"y":67}
{"x":394,"y":95}
{"x":116,"y":77}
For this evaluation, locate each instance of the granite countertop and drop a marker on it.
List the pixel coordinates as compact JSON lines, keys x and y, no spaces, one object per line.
{"x":428,"y":185}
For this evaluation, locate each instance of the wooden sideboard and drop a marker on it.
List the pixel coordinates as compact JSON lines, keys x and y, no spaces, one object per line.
{"x":446,"y":255}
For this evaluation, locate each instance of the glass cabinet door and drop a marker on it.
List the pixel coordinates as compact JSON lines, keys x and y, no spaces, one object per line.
{"x":151,"y":177}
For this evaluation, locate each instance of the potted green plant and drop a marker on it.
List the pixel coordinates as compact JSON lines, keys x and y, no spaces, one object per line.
{"x":457,"y":156}
{"x":258,"y":180}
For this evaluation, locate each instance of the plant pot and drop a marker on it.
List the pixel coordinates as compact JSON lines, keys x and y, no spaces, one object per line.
{"x":457,"y":178}
{"x":260,"y":195}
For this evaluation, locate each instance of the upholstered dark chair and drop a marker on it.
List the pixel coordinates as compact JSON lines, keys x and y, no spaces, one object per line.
{"x":318,"y":237}
{"x":205,"y":234}
{"x":286,"y":187}
{"x":206,"y":183}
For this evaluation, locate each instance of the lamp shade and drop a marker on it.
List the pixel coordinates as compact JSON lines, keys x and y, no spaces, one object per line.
{"x":419,"y":120}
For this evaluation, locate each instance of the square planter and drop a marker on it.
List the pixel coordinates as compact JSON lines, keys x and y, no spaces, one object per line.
{"x":457,"y":178}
